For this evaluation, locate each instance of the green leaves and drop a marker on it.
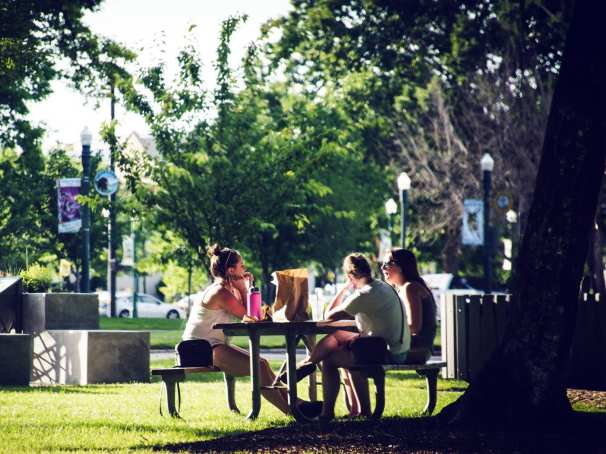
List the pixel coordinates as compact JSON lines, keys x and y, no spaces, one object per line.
{"x":276,"y":173}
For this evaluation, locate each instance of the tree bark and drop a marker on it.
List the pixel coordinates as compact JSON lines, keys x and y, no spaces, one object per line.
{"x":594,"y":260}
{"x":451,"y":251}
{"x":523,"y":384}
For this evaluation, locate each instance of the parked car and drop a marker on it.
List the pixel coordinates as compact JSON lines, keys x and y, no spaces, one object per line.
{"x":148,"y":306}
{"x":184,"y":302}
{"x":448,"y":283}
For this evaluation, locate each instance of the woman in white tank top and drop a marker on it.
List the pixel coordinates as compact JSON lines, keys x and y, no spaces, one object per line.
{"x":225,"y":301}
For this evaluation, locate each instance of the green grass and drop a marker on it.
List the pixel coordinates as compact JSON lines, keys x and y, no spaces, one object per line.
{"x":166,"y":333}
{"x":125,"y":417}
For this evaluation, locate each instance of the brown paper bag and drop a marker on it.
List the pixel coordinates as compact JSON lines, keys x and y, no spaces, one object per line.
{"x":291,"y":295}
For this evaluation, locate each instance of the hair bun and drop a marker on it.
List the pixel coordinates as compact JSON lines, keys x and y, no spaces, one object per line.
{"x":215,"y":249}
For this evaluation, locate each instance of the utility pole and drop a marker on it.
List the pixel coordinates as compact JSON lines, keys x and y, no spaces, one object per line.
{"x":111,"y":225}
{"x":86,"y":138}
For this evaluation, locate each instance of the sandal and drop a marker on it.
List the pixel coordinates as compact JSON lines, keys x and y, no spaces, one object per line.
{"x":303,"y":370}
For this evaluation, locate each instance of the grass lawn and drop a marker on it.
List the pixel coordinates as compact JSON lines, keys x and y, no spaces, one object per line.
{"x":166,"y":333}
{"x":125,"y":417}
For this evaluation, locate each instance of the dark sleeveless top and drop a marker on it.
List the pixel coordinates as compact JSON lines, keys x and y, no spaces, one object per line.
{"x":424,"y":338}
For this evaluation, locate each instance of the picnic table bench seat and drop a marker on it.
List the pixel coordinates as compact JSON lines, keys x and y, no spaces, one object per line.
{"x":172,"y":376}
{"x":429,"y":370}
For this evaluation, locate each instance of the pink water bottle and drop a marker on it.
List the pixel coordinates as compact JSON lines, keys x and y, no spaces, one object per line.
{"x":253,"y":303}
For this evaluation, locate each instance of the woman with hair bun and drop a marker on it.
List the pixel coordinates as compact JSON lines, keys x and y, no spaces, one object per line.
{"x":224,"y":301}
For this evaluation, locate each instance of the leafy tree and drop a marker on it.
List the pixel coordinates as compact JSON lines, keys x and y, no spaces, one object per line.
{"x":20,"y":222}
{"x":40,"y":42}
{"x":277,"y":175}
{"x":494,"y":61}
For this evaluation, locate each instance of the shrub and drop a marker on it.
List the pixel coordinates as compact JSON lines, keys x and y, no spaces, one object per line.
{"x":37,"y":278}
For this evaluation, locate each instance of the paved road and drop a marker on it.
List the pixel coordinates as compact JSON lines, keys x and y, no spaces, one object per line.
{"x":274,"y":354}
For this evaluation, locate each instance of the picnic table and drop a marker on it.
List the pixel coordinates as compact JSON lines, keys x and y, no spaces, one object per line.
{"x":292,"y":331}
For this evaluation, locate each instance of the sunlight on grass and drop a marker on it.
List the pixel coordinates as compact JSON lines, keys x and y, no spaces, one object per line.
{"x":125,"y":417}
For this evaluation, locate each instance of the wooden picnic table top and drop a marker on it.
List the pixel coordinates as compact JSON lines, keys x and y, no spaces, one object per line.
{"x":283,"y":328}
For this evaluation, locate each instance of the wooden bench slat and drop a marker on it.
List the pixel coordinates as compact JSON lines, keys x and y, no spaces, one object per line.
{"x":183,"y":370}
{"x":426,"y":366}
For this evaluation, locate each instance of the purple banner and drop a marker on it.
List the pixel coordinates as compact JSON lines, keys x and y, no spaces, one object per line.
{"x":68,"y":207}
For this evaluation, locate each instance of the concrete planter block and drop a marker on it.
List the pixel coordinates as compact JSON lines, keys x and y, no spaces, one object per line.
{"x":15,"y":359}
{"x":45,"y":311}
{"x":81,"y":357}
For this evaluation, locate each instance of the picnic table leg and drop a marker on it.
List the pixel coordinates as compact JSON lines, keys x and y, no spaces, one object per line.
{"x":310,"y":343}
{"x":170,"y":382}
{"x":431,"y":379}
{"x":255,"y":373}
{"x":378,"y":376}
{"x":291,"y":367}
{"x":230,"y":389}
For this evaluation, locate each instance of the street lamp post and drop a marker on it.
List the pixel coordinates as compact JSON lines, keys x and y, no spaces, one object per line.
{"x":391,"y":207}
{"x":487,"y":164}
{"x":403,"y":188}
{"x":85,"y":138}
{"x":112,"y":232}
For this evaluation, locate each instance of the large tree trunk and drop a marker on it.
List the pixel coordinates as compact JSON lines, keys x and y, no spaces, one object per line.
{"x":523,"y":384}
{"x":594,"y":260}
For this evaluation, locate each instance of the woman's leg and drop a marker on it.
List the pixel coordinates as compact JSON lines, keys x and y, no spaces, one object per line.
{"x":340,"y":358}
{"x":353,"y":404}
{"x":330,"y":344}
{"x":359,"y":383}
{"x":236,"y":362}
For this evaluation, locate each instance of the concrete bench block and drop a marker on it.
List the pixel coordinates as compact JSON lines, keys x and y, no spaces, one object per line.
{"x":55,"y":311}
{"x":82,"y":357}
{"x":15,"y":359}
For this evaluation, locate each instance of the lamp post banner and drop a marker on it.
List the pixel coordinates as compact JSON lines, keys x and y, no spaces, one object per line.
{"x":472,"y":233}
{"x":68,"y":208}
{"x":128,"y":250}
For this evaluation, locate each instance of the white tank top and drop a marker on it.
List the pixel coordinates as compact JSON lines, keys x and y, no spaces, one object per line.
{"x":200,"y":324}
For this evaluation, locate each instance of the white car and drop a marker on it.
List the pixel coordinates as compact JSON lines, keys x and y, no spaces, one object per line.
{"x":443,"y":283}
{"x":148,"y":306}
{"x":184,"y":303}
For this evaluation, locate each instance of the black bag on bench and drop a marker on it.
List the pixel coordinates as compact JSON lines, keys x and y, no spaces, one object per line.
{"x":194,"y":353}
{"x":369,"y":350}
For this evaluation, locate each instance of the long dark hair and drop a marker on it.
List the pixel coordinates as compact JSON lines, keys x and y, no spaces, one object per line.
{"x":407,"y":262}
{"x":221,"y":259}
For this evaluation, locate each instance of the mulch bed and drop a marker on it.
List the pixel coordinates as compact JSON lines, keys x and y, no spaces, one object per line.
{"x":412,"y":435}
{"x":596,"y":399}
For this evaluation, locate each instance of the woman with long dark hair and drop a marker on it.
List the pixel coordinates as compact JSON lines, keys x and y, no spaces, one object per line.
{"x":400,"y":270}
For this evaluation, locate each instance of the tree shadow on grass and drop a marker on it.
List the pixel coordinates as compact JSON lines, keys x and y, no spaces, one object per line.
{"x":585,"y":434}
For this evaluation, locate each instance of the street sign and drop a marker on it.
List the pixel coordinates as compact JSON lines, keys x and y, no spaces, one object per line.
{"x":106,"y":182}
{"x":503,"y":202}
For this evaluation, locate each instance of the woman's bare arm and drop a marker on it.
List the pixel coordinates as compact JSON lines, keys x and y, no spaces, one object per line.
{"x":229,"y":303}
{"x":414,"y":308}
